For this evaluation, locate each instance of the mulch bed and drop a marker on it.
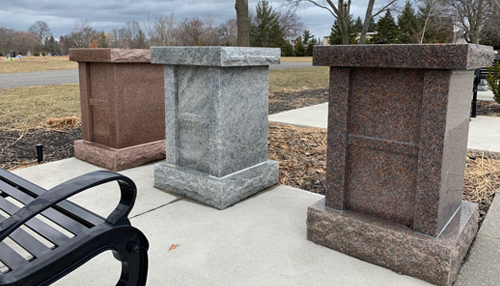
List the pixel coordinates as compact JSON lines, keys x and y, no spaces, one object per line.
{"x":301,"y":152}
{"x":487,"y":108}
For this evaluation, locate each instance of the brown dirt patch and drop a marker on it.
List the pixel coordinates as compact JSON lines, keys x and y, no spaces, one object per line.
{"x":283,"y":101}
{"x":488,"y":108}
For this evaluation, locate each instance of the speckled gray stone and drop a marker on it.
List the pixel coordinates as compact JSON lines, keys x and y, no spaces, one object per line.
{"x":216,"y":119}
{"x":217,"y":192}
{"x":215,"y":56}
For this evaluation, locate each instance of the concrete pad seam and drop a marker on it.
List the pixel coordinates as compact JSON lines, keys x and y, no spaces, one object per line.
{"x":158,"y":207}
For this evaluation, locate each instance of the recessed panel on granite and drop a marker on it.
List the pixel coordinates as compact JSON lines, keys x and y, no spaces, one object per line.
{"x":243,"y":134}
{"x":382,"y":184}
{"x":140,"y":104}
{"x":386,"y":104}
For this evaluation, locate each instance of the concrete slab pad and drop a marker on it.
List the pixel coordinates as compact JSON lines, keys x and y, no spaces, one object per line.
{"x":483,"y":134}
{"x":485,"y":95}
{"x":314,"y":116}
{"x":102,"y":199}
{"x":491,"y":224}
{"x":260,"y":241}
{"x":483,"y":264}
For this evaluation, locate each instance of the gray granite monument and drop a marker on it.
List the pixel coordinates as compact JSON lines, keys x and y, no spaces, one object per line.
{"x":216,"y":122}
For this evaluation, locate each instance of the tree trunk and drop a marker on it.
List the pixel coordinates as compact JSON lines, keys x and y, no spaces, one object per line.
{"x":366,"y":23}
{"x":243,"y":23}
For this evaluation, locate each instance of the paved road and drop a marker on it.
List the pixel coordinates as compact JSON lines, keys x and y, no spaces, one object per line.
{"x":71,"y":76}
{"x":38,"y":78}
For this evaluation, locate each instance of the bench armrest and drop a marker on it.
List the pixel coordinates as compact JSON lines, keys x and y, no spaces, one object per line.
{"x":72,"y":187}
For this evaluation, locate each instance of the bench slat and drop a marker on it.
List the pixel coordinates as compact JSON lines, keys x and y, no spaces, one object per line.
{"x":11,"y":258}
{"x":69,"y":207}
{"x":57,"y":217}
{"x":36,"y":225}
{"x":28,"y":242}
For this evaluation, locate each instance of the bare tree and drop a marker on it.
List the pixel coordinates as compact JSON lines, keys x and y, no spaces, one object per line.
{"x":162,"y":30}
{"x":470,"y":17}
{"x":83,"y":34}
{"x":40,"y":30}
{"x":190,"y":32}
{"x":341,"y":12}
{"x":243,"y":23}
{"x":290,"y":23}
{"x":228,"y":33}
{"x":5,"y":40}
{"x":490,"y":34}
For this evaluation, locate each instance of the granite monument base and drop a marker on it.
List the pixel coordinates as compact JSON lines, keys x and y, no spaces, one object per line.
{"x":119,"y":159}
{"x":391,"y":245}
{"x":217,"y":192}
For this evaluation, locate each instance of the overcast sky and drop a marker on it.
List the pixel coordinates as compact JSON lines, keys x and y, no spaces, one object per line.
{"x":61,"y":16}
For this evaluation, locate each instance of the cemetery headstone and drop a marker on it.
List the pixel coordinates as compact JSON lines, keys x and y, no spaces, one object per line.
{"x":216,"y":123}
{"x":123,"y":108}
{"x":398,"y":123}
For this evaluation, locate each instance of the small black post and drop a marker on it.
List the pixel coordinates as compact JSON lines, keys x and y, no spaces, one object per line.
{"x":473,"y":110}
{"x":39,"y":152}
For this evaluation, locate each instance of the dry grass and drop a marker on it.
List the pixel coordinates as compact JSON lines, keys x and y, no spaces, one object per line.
{"x":297,"y":79}
{"x":296,"y":59}
{"x":32,"y":64}
{"x":30,"y":107}
{"x":482,"y":178}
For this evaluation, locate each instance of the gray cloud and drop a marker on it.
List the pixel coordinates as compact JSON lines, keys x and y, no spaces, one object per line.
{"x":61,"y":16}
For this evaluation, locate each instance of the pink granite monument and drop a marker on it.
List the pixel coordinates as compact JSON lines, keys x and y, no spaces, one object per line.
{"x":123,"y":108}
{"x":398,"y":123}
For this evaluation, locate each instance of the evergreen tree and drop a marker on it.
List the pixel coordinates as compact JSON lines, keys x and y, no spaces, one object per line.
{"x":288,"y":50}
{"x":358,"y":25}
{"x":387,"y":30}
{"x":310,"y":47}
{"x":266,"y":32}
{"x":372,"y":26}
{"x":103,"y":41}
{"x":336,"y":35}
{"x":407,"y":23}
{"x":300,"y":50}
{"x":306,"y":37}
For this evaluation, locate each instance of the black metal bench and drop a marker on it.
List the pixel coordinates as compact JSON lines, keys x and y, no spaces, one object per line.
{"x":34,"y":251}
{"x":479,"y":74}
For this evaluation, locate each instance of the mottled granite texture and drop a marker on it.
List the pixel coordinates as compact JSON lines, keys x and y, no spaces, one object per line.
{"x":429,"y":56}
{"x":215,"y":56}
{"x":214,"y":191}
{"x":391,"y":245}
{"x":398,"y":123}
{"x":122,"y":102}
{"x":110,"y":55}
{"x":119,"y":159}
{"x":218,"y":125}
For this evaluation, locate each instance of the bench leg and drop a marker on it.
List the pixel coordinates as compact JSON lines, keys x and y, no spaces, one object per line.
{"x":134,"y":261}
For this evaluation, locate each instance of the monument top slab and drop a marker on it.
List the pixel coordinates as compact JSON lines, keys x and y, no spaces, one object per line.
{"x":215,"y":56}
{"x":110,"y":55}
{"x":427,"y":56}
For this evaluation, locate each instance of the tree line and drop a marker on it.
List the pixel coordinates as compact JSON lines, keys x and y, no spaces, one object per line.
{"x":476,"y":21}
{"x":268,"y":27}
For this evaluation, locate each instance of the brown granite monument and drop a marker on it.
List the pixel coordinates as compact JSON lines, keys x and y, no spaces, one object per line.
{"x":398,"y":123}
{"x":123,"y":108}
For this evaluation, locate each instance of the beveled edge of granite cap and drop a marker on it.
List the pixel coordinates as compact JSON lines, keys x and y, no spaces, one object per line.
{"x":426,"y":56}
{"x":215,"y":56}
{"x":110,"y":55}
